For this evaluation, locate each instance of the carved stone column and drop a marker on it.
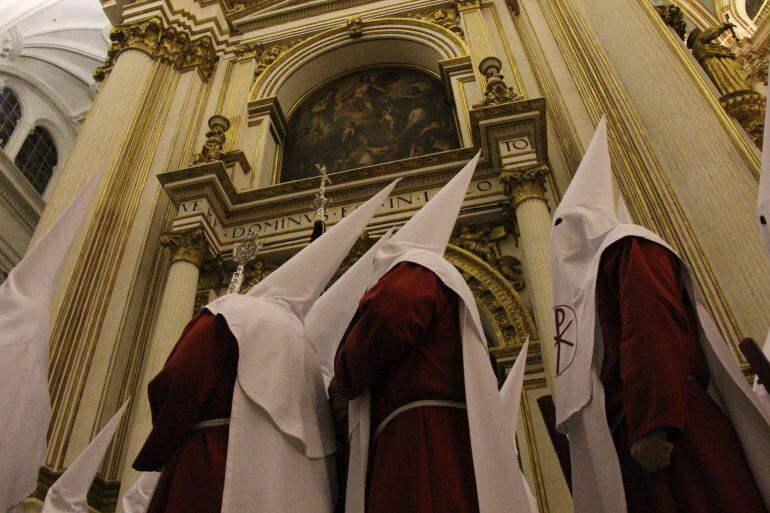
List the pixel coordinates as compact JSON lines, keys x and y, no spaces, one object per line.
{"x":187,"y":253}
{"x":526,"y":190}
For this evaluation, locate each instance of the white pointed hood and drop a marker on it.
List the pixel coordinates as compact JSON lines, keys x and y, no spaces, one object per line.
{"x":137,"y":498}
{"x":300,"y":281}
{"x":69,"y":494}
{"x":586,"y":223}
{"x":511,"y":397}
{"x":423,"y":241}
{"x":25,"y":308}
{"x":430,"y":229}
{"x":763,"y":201}
{"x":326,"y":322}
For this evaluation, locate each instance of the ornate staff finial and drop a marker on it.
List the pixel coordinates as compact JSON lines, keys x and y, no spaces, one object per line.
{"x":243,"y":253}
{"x":732,"y":29}
{"x":321,"y":201}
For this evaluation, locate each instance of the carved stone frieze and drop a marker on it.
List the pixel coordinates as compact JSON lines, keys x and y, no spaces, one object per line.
{"x":674,"y":18}
{"x":186,"y":247}
{"x":270,"y":55}
{"x":248,"y":50}
{"x":448,"y":18}
{"x":355,"y":26}
{"x":526,"y":183}
{"x":169,"y":44}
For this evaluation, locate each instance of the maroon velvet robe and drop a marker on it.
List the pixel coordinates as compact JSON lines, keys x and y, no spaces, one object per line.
{"x":405,"y":343}
{"x":195,"y":384}
{"x":650,"y":332}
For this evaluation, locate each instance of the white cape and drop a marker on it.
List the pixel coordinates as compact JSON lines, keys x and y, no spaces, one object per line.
{"x":69,"y":494}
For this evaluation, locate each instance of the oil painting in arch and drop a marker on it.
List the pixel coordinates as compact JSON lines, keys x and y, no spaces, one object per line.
{"x":368,"y":117}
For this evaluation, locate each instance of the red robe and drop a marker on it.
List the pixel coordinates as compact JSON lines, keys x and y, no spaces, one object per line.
{"x":650,"y":332}
{"x":195,"y":384}
{"x":405,"y":344}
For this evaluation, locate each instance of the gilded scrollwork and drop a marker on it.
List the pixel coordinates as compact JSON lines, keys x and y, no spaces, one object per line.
{"x":270,"y":55}
{"x":169,"y":44}
{"x":482,"y":242}
{"x":248,"y":50}
{"x":256,"y":272}
{"x":216,"y":138}
{"x":449,"y":18}
{"x":355,"y":26}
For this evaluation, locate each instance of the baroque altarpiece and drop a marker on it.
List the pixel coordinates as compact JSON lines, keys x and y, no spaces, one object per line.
{"x":214,"y":116}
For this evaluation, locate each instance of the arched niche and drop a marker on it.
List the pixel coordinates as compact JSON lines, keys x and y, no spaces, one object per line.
{"x":383,"y":42}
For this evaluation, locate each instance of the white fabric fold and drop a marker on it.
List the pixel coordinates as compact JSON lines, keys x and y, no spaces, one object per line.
{"x":25,"y":324}
{"x":585,"y":224}
{"x":69,"y":494}
{"x":137,"y":498}
{"x":763,"y":198}
{"x":511,"y":396}
{"x":327,"y":320}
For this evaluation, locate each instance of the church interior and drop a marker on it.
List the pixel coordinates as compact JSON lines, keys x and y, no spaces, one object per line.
{"x":212,"y":119}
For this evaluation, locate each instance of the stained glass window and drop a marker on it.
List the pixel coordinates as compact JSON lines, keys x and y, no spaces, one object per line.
{"x":37,"y":158}
{"x":10,"y":113}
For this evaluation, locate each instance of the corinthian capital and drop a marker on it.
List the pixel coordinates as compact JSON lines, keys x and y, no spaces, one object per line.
{"x":525,"y":183}
{"x":186,"y":247}
{"x":169,"y":44}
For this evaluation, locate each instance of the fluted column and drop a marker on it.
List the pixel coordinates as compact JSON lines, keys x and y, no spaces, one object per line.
{"x":187,"y":253}
{"x":526,"y":191}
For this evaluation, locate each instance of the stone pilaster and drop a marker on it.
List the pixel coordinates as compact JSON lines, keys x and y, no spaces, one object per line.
{"x":188,"y":251}
{"x":526,"y":189}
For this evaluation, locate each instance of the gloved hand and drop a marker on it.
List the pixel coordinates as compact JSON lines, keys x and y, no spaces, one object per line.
{"x":653,"y":451}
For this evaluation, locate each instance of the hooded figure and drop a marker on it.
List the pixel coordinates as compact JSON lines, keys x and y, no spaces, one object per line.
{"x":277,"y":427}
{"x":137,"y":498}
{"x":69,"y":494}
{"x":414,"y":359}
{"x":636,"y":350}
{"x":25,"y":324}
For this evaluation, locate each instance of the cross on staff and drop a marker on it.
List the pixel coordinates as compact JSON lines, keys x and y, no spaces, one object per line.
{"x":243,"y":253}
{"x":732,"y":29}
{"x":321,"y":201}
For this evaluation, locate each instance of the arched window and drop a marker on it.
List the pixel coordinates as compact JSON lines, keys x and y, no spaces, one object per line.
{"x":37,"y":158}
{"x":368,"y":117}
{"x":10,"y":114}
{"x":753,"y":7}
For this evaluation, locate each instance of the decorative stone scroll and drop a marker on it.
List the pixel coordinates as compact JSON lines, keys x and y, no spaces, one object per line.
{"x":169,"y":44}
{"x":448,"y":18}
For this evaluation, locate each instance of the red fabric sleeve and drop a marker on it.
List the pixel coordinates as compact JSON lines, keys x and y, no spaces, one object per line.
{"x":392,"y":317}
{"x":654,"y":346}
{"x":177,"y":393}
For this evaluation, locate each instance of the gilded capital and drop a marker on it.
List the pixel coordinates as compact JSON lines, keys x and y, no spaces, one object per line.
{"x":525,"y":184}
{"x":170,"y":44}
{"x":186,"y":247}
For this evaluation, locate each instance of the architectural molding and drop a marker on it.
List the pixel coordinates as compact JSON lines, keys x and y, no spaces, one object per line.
{"x":165,"y":43}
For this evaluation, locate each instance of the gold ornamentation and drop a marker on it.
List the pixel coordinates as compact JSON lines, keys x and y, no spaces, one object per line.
{"x":721,"y":65}
{"x":258,"y":272}
{"x":674,"y":18}
{"x":186,"y":247}
{"x":159,"y":42}
{"x":448,"y":18}
{"x":513,"y":6}
{"x":497,"y":91}
{"x":248,"y":50}
{"x":465,"y":5}
{"x":269,"y":56}
{"x":526,"y":183}
{"x":753,"y":60}
{"x":748,"y":108}
{"x":496,"y":295}
{"x":215,"y":141}
{"x":481,"y":241}
{"x":355,"y":26}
